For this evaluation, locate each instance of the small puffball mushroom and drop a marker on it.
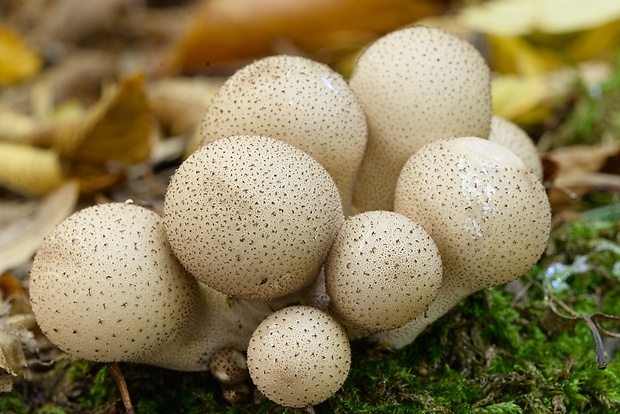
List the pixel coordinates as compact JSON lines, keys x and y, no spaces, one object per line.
{"x":513,"y":137}
{"x":229,"y":366}
{"x":105,"y":286}
{"x":416,"y":85}
{"x":299,"y":356}
{"x":252,"y":217}
{"x":299,"y":101}
{"x":382,"y":271}
{"x":487,"y":212}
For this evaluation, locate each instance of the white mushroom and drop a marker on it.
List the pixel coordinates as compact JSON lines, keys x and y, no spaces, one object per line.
{"x":106,"y":287}
{"x":299,"y":101}
{"x":416,"y":85}
{"x":487,"y":212}
{"x":382,"y":271}
{"x":252,"y":217}
{"x":513,"y":137}
{"x":299,"y":356}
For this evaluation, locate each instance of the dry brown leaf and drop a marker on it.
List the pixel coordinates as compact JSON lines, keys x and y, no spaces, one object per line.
{"x":28,"y":170}
{"x":233,"y":31}
{"x":577,"y":171}
{"x":116,"y":129}
{"x":24,"y":224}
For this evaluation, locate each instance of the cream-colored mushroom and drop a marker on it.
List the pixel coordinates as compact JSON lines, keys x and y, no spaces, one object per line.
{"x":252,"y":217}
{"x":416,"y":85}
{"x":106,"y":287}
{"x":299,"y":356}
{"x":487,"y":212}
{"x":513,"y":137}
{"x":299,"y":101}
{"x":382,"y":271}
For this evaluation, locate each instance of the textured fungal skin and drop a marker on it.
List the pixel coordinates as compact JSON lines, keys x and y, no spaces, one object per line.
{"x":416,"y":85}
{"x":299,"y":356}
{"x":299,"y":101}
{"x":511,"y":136}
{"x":382,"y":271}
{"x":104,"y":285}
{"x":252,"y":217}
{"x":487,"y":212}
{"x":229,"y":366}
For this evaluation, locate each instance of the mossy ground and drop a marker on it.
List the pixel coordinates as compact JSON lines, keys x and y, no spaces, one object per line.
{"x":494,"y":353}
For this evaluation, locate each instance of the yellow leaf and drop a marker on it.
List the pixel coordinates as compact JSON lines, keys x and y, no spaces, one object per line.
{"x":521,"y":17}
{"x":116,"y":129}
{"x":28,"y":170}
{"x":17,"y":60}
{"x":520,"y":98}
{"x":515,"y":55}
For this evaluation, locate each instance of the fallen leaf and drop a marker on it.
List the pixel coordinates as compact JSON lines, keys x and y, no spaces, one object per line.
{"x":116,"y":129}
{"x":225,"y":32}
{"x":23,"y":225}
{"x":28,"y":170}
{"x":18,"y":61}
{"x":520,"y":17}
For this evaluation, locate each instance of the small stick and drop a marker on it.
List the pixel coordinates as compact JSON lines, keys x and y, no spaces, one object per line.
{"x":122,"y":386}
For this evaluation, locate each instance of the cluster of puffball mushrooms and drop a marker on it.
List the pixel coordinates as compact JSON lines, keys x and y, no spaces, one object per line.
{"x":315,"y":212}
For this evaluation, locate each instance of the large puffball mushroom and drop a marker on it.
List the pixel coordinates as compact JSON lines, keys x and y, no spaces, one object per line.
{"x":105,"y":287}
{"x":299,"y":101}
{"x":252,"y":217}
{"x":416,"y":85}
{"x":382,"y":271}
{"x":299,"y":356}
{"x":513,"y":137}
{"x":487,"y":212}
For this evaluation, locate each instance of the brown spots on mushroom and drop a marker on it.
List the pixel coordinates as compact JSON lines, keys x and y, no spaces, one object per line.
{"x":487,"y":212}
{"x":252,"y":217}
{"x":91,"y":266}
{"x":416,"y":85}
{"x":299,"y":356}
{"x":382,"y":271}
{"x":513,"y":137}
{"x":298,"y":101}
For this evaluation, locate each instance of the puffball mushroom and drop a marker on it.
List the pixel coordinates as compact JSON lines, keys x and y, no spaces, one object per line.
{"x":416,"y":85}
{"x":513,"y":137}
{"x":487,"y":212}
{"x":299,"y":101}
{"x":252,"y":217}
{"x":105,"y":287}
{"x":299,"y":356}
{"x":382,"y":271}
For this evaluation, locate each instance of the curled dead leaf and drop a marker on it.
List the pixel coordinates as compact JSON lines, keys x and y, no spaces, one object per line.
{"x":25,"y":224}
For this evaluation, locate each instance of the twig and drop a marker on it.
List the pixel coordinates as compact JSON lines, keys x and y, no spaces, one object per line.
{"x":122,"y":386}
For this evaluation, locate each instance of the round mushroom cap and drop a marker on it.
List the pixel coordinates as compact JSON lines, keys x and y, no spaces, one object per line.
{"x":105,"y":286}
{"x":252,"y":217}
{"x":299,"y":356}
{"x":382,"y":271}
{"x":416,"y":85}
{"x":299,"y":101}
{"x":487,"y":212}
{"x":513,"y":137}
